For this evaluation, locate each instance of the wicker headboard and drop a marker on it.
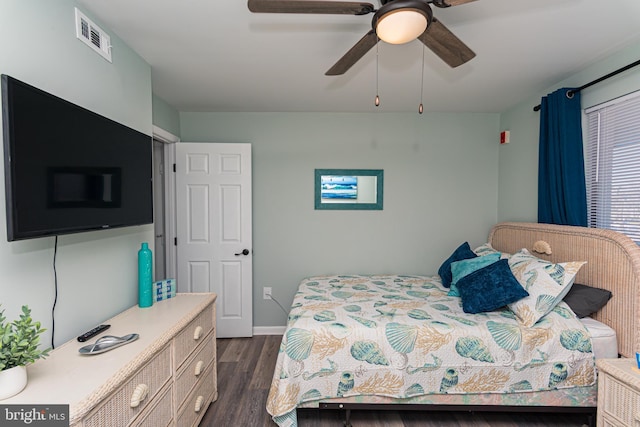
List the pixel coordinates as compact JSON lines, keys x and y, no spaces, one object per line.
{"x":613,"y":263}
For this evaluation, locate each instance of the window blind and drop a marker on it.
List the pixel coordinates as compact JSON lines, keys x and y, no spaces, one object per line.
{"x":613,"y":166}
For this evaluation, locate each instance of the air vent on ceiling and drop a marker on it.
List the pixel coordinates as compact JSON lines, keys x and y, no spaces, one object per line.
{"x":92,"y":35}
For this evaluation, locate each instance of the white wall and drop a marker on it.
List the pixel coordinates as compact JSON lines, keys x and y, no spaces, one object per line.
{"x":97,"y":271}
{"x":165,"y":116}
{"x":440,"y":189}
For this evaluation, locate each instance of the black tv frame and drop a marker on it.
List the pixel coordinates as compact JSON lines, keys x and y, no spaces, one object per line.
{"x":16,"y":230}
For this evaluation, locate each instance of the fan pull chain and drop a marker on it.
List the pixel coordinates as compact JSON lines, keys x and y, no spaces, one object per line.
{"x":377,"y":101}
{"x":421,"y":107}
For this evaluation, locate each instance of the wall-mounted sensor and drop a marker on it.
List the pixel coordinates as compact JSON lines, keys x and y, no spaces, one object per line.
{"x":505,"y":135}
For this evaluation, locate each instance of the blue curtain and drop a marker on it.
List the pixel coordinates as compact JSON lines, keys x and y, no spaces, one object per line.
{"x":562,"y":195}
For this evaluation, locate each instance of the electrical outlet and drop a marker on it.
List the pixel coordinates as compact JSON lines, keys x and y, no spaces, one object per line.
{"x":266,"y":293}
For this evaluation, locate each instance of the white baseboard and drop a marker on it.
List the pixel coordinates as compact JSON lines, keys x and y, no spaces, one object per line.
{"x":269,"y":330}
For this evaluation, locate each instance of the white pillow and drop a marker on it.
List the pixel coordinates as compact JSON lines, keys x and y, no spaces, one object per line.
{"x":546,"y":282}
{"x":486,"y":249}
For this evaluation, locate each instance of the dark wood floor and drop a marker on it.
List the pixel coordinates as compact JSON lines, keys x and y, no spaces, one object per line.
{"x":245,"y":368}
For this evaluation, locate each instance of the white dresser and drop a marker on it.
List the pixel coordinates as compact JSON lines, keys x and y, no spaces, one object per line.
{"x":618,"y":393}
{"x":165,"y":378}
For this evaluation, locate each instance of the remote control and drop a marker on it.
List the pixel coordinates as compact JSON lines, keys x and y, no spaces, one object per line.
{"x":93,"y":332}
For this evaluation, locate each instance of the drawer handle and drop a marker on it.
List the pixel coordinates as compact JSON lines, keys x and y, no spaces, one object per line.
{"x":139,"y":394}
{"x":198,"y":369}
{"x":197,"y":333}
{"x":198,"y":406}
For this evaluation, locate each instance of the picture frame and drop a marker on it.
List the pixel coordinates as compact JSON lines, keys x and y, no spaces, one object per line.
{"x":349,"y":189}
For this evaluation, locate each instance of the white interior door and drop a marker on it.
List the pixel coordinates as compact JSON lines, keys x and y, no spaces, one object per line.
{"x":213,"y":225}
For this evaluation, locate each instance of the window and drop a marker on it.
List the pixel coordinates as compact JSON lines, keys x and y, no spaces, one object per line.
{"x":613,"y":165}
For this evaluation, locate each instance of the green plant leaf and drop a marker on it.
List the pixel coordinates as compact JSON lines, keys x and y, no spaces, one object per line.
{"x":19,"y":340}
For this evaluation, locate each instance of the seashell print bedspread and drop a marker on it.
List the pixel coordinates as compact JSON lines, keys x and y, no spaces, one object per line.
{"x":402,"y":336}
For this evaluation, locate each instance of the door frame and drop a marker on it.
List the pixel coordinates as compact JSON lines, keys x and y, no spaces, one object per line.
{"x":169,"y":140}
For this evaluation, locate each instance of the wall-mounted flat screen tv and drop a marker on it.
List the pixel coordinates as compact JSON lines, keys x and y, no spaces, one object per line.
{"x":68,"y":169}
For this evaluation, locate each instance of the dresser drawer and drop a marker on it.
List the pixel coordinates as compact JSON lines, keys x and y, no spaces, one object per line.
{"x":195,"y":368}
{"x":621,"y":402}
{"x":193,"y":334}
{"x":160,"y":411}
{"x":198,"y":402}
{"x":117,"y":410}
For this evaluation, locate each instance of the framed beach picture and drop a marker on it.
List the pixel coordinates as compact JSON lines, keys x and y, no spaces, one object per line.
{"x":337,"y":188}
{"x":356,"y":189}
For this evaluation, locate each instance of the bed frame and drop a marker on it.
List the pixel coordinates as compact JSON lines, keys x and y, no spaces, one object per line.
{"x":613,"y":263}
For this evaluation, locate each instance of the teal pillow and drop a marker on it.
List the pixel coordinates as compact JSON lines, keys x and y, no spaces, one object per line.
{"x":462,"y":252}
{"x":490,"y":288}
{"x":460,"y":269}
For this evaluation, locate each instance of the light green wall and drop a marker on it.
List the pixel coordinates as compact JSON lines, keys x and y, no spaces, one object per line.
{"x":518,"y":165}
{"x":96,"y":271}
{"x":165,"y":116}
{"x":440,"y":189}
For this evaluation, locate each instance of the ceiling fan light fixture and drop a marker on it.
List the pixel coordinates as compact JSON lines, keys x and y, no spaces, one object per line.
{"x":401,"y":25}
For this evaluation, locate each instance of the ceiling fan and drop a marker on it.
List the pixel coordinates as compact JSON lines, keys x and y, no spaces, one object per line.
{"x":396,"y":22}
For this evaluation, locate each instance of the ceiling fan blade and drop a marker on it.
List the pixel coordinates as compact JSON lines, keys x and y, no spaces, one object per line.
{"x":457,"y":2}
{"x":449,"y":3}
{"x":354,"y":54}
{"x":445,"y":44}
{"x":310,"y":6}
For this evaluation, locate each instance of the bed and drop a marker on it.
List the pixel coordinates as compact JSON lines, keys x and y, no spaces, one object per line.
{"x":403,"y":342}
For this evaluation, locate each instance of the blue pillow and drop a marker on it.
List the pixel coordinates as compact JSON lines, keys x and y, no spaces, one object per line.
{"x":462,"y":252}
{"x":490,"y":288}
{"x":460,"y":269}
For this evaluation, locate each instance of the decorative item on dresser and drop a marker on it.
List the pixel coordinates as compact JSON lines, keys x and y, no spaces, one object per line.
{"x":19,"y":342}
{"x":618,"y":392}
{"x":167,"y":377}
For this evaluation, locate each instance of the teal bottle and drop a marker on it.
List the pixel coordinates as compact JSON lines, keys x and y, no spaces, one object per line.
{"x":145,"y":283}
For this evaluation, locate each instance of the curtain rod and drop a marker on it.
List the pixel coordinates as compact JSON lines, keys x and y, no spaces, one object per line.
{"x":611,"y":74}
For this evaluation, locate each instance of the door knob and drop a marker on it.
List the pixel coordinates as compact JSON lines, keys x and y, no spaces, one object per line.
{"x":244,"y":252}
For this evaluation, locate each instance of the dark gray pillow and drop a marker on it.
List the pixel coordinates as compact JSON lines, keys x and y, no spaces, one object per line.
{"x":584,"y":300}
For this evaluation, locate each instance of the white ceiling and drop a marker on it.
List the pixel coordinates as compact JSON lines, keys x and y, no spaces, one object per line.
{"x":215,"y":55}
